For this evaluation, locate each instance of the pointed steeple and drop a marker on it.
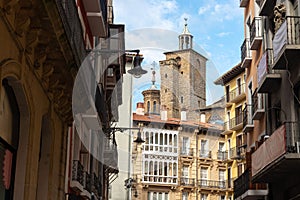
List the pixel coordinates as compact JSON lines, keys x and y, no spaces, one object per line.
{"x":153,"y":87}
{"x":186,"y":38}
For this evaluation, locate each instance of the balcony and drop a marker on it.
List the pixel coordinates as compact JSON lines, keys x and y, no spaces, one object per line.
{"x":246,"y":56}
{"x":286,"y":44}
{"x":77,"y":176}
{"x":237,"y":94}
{"x":256,"y":33}
{"x":211,"y":184}
{"x":244,"y":3}
{"x":95,"y":187}
{"x":222,"y":155}
{"x":279,"y":155}
{"x":227,"y":128}
{"x":96,"y":12}
{"x":205,"y":154}
{"x":111,"y":156}
{"x":187,"y":182}
{"x":237,"y":153}
{"x":268,"y":80}
{"x":87,"y":186}
{"x":237,"y":122}
{"x":187,"y":152}
{"x":258,"y":105}
{"x":244,"y":189}
{"x":266,"y":7}
{"x":247,"y":119}
{"x":72,"y":25}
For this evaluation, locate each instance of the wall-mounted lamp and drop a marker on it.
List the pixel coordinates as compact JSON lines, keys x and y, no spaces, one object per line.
{"x":137,"y":70}
{"x":138,"y":140}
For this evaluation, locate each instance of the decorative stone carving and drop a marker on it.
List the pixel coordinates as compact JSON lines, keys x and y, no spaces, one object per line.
{"x":279,"y":15}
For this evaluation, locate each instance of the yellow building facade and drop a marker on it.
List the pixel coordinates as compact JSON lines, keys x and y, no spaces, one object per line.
{"x":236,"y":115}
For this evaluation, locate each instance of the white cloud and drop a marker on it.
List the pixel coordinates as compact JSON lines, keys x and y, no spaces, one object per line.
{"x":222,"y":34}
{"x":204,"y":9}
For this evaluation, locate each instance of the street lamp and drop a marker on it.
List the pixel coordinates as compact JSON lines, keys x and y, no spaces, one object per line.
{"x":138,"y":140}
{"x":137,"y":70}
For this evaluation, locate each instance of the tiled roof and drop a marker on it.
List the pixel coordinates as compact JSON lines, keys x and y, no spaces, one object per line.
{"x":175,"y":121}
{"x":229,"y":75}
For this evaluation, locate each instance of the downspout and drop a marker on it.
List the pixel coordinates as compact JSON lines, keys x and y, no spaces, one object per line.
{"x":197,"y":154}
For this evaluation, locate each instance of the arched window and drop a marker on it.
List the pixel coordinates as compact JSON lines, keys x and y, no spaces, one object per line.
{"x":148,"y":106}
{"x":154,"y":106}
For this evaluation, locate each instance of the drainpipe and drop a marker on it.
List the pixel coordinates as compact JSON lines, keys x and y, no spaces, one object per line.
{"x":197,"y":154}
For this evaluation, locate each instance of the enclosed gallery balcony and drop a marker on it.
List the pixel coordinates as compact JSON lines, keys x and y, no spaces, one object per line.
{"x":245,"y":190}
{"x":266,"y":7}
{"x":256,"y":33}
{"x":258,"y":105}
{"x":247,"y":119}
{"x":96,"y":12}
{"x":268,"y":80}
{"x":286,"y":44}
{"x":244,"y":3}
{"x":279,"y":155}
{"x":246,"y":56}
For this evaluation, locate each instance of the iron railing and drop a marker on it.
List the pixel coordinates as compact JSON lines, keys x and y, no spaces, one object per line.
{"x":238,"y":119}
{"x":222,"y":155}
{"x":234,"y":93}
{"x":293,"y":30}
{"x":72,"y":25}
{"x":245,"y":49}
{"x":256,"y":28}
{"x":77,"y":172}
{"x":187,"y":152}
{"x":204,"y":183}
{"x":243,"y":183}
{"x":204,"y":153}
{"x":247,"y":115}
{"x":87,"y":184}
{"x":187,"y":181}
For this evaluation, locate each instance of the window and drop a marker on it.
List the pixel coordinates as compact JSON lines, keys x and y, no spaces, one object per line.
{"x":221,"y":151}
{"x":166,"y":75}
{"x":203,"y":176}
{"x":203,"y":196}
{"x":222,"y":178}
{"x":158,"y":196}
{"x":238,"y":83}
{"x":227,"y":93}
{"x":204,"y":152}
{"x":240,"y":169}
{"x":238,"y":115}
{"x":181,"y":99}
{"x":222,"y":197}
{"x":154,"y":106}
{"x":185,"y":145}
{"x":148,"y":106}
{"x":185,"y":175}
{"x":185,"y":195}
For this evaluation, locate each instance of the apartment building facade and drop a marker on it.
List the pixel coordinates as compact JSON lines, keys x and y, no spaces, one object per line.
{"x":179,"y":160}
{"x":44,"y":46}
{"x":236,"y":115}
{"x":272,"y":90}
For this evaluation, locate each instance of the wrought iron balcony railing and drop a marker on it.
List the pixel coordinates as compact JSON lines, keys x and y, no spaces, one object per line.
{"x":87,"y":181}
{"x":187,"y":152}
{"x":243,"y":183}
{"x":236,"y":92}
{"x":246,"y":56}
{"x":184,"y":181}
{"x":204,"y":154}
{"x":222,"y":155}
{"x":72,"y":25}
{"x":77,"y":172}
{"x":256,"y":32}
{"x":204,"y":183}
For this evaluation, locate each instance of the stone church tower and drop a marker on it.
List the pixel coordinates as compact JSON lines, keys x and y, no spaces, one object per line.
{"x":183,"y":79}
{"x":152,"y":97}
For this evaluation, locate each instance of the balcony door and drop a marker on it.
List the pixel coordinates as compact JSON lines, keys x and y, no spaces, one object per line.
{"x":204,"y":176}
{"x":185,"y":146}
{"x":204,"y":152}
{"x":185,"y":174}
{"x":238,"y":115}
{"x":239,"y":86}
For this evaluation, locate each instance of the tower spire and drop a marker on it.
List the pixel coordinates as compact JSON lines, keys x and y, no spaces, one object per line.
{"x":153,"y":87}
{"x":185,"y":38}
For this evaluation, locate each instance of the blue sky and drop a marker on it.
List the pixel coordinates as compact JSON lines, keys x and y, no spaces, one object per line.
{"x":154,"y":25}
